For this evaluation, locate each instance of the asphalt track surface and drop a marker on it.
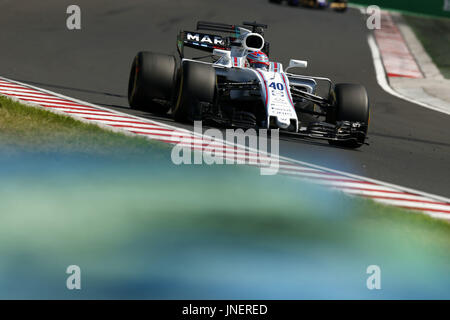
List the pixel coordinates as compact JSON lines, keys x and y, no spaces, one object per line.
{"x":409,"y":144}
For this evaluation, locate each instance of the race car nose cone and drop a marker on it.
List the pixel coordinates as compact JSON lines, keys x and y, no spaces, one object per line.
{"x":283,"y":123}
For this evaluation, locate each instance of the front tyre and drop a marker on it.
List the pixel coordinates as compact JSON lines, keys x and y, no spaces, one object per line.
{"x":197,"y":86}
{"x":351,"y":104}
{"x":152,"y":81}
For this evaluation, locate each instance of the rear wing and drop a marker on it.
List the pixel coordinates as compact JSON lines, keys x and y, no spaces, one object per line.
{"x":202,"y":41}
{"x":230,"y":28}
{"x":218,"y":27}
{"x":208,"y":42}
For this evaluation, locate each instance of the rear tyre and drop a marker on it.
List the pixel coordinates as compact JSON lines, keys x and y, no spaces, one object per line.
{"x":151,"y":82}
{"x":197,"y":86}
{"x":351,"y":104}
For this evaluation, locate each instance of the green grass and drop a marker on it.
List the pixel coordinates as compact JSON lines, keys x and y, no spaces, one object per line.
{"x":24,"y":128}
{"x":434,"y":34}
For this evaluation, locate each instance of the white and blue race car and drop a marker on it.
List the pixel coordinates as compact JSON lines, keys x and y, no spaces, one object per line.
{"x":240,"y":87}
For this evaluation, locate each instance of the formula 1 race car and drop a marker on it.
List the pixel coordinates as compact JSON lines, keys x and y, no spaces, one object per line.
{"x":241,"y":87}
{"x":338,"y":5}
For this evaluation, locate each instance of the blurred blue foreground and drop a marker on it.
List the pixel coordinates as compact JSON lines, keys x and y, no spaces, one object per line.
{"x":153,"y":230}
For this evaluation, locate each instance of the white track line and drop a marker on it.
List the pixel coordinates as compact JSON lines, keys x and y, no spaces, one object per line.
{"x":384,"y":194}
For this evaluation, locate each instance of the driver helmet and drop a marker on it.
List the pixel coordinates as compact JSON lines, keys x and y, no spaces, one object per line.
{"x":258,"y":59}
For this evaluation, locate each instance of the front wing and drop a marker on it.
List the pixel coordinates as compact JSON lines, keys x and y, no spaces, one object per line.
{"x":341,"y":131}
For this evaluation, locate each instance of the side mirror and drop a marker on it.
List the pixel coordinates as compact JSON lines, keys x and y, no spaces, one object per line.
{"x":297,"y":64}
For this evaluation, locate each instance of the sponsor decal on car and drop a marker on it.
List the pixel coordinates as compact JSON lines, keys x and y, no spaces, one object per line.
{"x":205,"y":38}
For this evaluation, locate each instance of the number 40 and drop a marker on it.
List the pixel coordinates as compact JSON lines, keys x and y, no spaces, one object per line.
{"x":278,"y":86}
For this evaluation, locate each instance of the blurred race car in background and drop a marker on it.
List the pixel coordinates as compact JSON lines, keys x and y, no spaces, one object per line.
{"x":338,"y":5}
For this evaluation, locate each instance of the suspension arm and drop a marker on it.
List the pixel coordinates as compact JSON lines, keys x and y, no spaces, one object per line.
{"x":311,"y":97}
